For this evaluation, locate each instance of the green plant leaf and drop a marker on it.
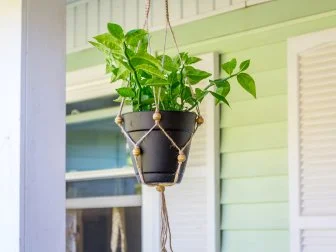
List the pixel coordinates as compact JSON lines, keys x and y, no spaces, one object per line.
{"x":116,"y":31}
{"x":220,"y":83}
{"x":143,"y":45}
{"x":220,"y":98}
{"x":244,"y":65}
{"x":192,"y":60}
{"x":157,"y":82}
{"x":126,"y":92}
{"x":102,"y":48}
{"x":247,"y":82}
{"x":224,"y":91}
{"x":133,"y":37}
{"x":200,"y":94}
{"x":168,"y":63}
{"x":229,"y":66}
{"x":151,"y":70}
{"x":109,"y":41}
{"x":195,"y":75}
{"x":145,"y":58}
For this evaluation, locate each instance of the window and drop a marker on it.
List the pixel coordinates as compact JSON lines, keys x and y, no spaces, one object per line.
{"x":103,"y":195}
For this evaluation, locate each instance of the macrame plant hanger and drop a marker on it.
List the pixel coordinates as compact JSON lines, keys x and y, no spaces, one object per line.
{"x":165,"y":236}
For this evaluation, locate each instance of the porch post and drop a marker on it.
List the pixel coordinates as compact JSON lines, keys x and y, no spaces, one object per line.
{"x":32,"y":125}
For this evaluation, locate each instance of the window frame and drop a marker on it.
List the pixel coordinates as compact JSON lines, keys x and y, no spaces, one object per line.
{"x":117,"y":172}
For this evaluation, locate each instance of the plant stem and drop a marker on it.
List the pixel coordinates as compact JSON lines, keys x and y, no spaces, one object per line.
{"x":135,"y":76}
{"x":182,"y":87}
{"x":209,"y":86}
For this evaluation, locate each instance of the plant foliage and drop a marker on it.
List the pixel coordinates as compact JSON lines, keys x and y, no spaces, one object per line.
{"x":175,"y":80}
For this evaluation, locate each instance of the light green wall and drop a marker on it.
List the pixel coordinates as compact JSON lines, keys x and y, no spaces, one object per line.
{"x":254,"y":184}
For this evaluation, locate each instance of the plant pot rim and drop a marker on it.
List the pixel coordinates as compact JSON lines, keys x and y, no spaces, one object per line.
{"x":161,"y":111}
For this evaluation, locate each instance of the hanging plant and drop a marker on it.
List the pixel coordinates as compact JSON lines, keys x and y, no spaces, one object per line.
{"x":166,"y":84}
{"x":165,"y":94}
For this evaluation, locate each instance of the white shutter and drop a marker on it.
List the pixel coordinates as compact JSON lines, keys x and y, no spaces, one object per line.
{"x":312,"y":141}
{"x":194,"y":205}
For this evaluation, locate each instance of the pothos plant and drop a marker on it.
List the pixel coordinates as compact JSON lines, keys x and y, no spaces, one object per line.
{"x":143,"y":74}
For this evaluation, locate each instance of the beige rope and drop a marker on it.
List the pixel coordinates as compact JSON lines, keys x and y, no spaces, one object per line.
{"x":165,"y":227}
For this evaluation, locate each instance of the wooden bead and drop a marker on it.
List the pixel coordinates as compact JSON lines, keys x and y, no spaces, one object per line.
{"x":181,"y":158}
{"x":160,"y":188}
{"x":157,"y":116}
{"x":199,"y":120}
{"x":136,"y":151}
{"x":118,"y":120}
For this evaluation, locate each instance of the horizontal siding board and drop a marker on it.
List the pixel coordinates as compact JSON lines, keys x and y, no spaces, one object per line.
{"x":271,"y":162}
{"x":263,"y":58}
{"x":255,"y":241}
{"x":254,"y":137}
{"x":273,"y":216}
{"x":254,"y":190}
{"x":263,"y":110}
{"x":268,"y":83}
{"x":224,"y":41}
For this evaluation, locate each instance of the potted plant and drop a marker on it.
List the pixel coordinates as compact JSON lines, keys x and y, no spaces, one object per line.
{"x":164,"y":90}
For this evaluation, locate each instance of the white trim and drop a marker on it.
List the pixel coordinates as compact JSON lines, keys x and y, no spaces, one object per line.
{"x":104,"y":202}
{"x":213,"y":163}
{"x":90,"y":116}
{"x":32,"y":133}
{"x":150,"y":218}
{"x":297,"y":221}
{"x":89,"y":83}
{"x":99,"y":174}
{"x":293,"y":146}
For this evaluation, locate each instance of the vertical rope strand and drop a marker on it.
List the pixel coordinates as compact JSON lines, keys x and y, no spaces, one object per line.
{"x":165,"y":226}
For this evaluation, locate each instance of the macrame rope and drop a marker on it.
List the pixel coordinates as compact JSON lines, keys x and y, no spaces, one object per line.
{"x":165,"y":226}
{"x":166,"y":236}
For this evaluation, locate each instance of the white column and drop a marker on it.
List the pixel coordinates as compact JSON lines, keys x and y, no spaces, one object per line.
{"x":32,"y":125}
{"x":151,"y":220}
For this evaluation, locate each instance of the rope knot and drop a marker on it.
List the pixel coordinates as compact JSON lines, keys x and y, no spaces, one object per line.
{"x":118,"y":120}
{"x":160,"y":188}
{"x":136,"y":151}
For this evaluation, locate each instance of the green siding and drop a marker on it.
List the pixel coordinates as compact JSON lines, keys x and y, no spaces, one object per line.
{"x":255,"y":241}
{"x":254,"y":184}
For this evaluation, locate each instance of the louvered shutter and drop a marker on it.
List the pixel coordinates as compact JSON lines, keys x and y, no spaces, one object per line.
{"x":312,"y":141}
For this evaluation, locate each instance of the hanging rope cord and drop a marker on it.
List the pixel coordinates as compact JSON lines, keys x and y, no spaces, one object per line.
{"x":165,"y":226}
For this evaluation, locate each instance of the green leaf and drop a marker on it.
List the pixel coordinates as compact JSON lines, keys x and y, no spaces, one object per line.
{"x":229,"y":66}
{"x":168,"y":63}
{"x":116,"y":31}
{"x":151,"y":70}
{"x":109,"y":41}
{"x":145,"y":58}
{"x":143,"y":44}
{"x":121,"y":74}
{"x":247,"y":82}
{"x":183,"y":55}
{"x":244,"y":65}
{"x":195,"y":75}
{"x":157,"y":82}
{"x":126,"y":92}
{"x":200,"y":94}
{"x":100,"y":47}
{"x":220,"y":98}
{"x":133,"y":37}
{"x":220,"y":83}
{"x":192,"y":60}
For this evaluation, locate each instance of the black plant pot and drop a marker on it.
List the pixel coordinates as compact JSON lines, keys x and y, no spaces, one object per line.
{"x":158,"y":155}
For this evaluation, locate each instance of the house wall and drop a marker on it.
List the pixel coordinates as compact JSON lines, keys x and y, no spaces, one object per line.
{"x":254,"y":187}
